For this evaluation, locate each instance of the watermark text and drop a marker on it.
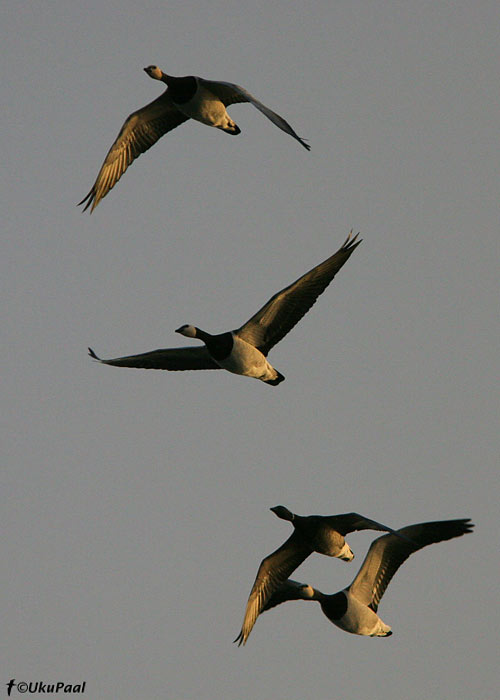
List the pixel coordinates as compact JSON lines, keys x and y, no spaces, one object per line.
{"x":44,"y":688}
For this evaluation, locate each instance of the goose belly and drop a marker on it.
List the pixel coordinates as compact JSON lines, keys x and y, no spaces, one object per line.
{"x":360,"y":619}
{"x":246,"y":360}
{"x":205,"y":108}
{"x":329,"y":542}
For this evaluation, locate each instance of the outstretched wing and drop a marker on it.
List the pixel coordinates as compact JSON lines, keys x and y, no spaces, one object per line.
{"x":387,"y":553}
{"x":174,"y":359}
{"x":229,"y":93}
{"x":273,"y":571}
{"x":350,"y":522}
{"x":280,"y":314}
{"x":141,"y":130}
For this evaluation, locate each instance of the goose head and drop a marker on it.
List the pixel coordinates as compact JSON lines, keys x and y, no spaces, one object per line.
{"x":304,"y":590}
{"x":154,"y":72}
{"x":307,"y":592}
{"x":188,"y":331}
{"x":283,"y":513}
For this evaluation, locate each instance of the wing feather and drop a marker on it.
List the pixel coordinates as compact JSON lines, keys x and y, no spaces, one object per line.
{"x":387,"y":553}
{"x":140,"y":131}
{"x":169,"y":358}
{"x":229,"y":93}
{"x":273,"y":572}
{"x":280,"y":314}
{"x":351,"y":522}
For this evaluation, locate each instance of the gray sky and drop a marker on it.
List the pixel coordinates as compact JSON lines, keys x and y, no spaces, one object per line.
{"x":135,"y":503}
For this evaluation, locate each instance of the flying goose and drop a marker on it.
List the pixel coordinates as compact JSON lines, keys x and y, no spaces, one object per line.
{"x":355,"y":608}
{"x":244,"y":350}
{"x":312,"y":533}
{"x":189,"y":97}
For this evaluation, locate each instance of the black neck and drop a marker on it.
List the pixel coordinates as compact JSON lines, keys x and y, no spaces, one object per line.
{"x":180,"y":89}
{"x":219,"y":346}
{"x":334,"y":606}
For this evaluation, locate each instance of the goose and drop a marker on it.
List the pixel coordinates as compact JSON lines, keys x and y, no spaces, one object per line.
{"x":354,"y":609}
{"x":244,"y":350}
{"x":189,"y":97}
{"x":324,"y":534}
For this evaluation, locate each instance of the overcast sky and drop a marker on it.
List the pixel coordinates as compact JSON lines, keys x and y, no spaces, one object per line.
{"x":136,"y":503}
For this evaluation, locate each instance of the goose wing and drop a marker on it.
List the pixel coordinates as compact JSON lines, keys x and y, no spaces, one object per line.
{"x":141,"y":130}
{"x":387,"y":553}
{"x":168,"y":358}
{"x":273,"y":571}
{"x":276,"y":318}
{"x":229,"y":93}
{"x":350,"y":522}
